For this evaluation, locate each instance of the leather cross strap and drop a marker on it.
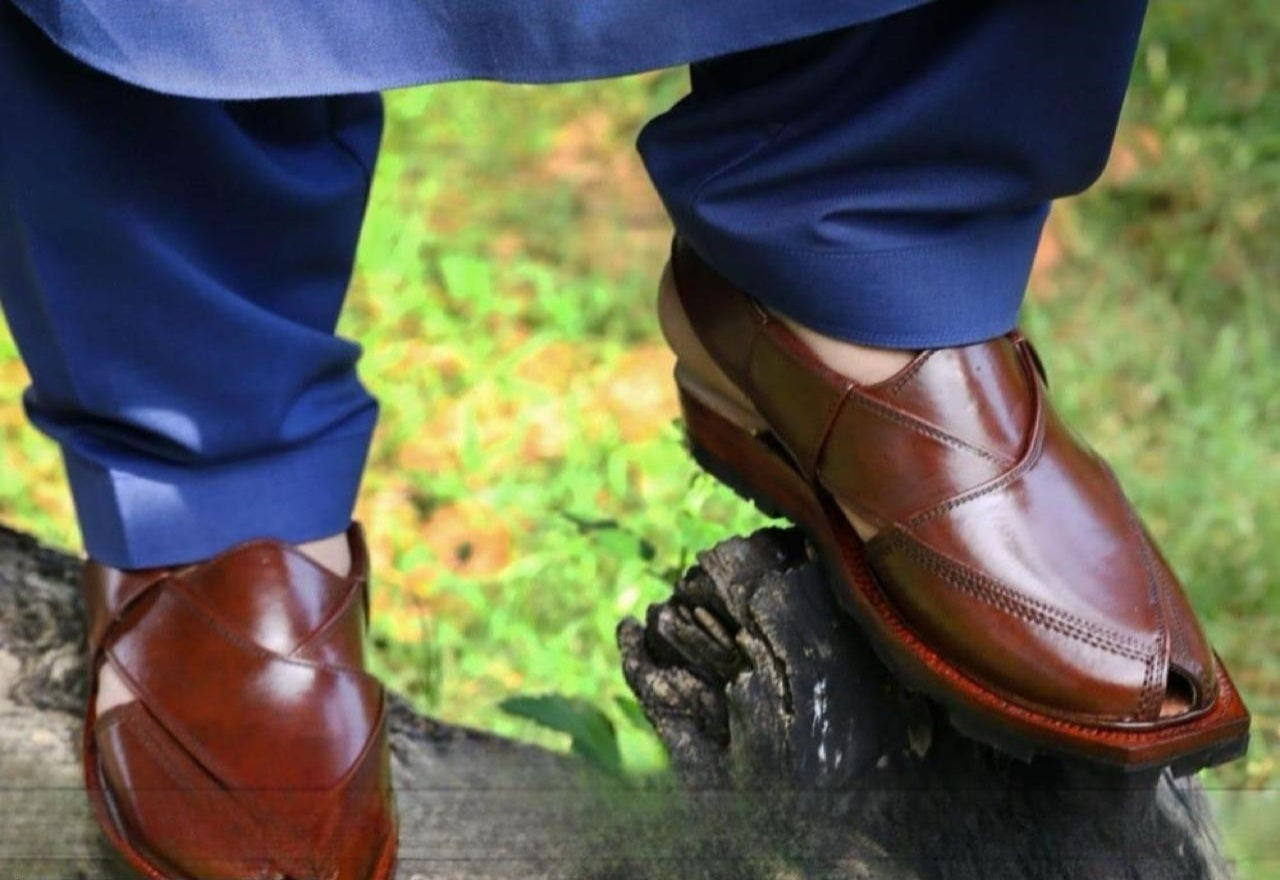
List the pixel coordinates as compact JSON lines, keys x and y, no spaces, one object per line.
{"x":107,"y":594}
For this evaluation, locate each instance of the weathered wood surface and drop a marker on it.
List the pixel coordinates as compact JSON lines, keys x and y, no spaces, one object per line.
{"x":796,"y":757}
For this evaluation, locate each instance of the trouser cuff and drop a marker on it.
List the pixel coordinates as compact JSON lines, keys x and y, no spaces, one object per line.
{"x":950,"y":291}
{"x":166,"y":514}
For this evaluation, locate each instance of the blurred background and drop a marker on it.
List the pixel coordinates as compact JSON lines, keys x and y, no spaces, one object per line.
{"x":528,"y":488}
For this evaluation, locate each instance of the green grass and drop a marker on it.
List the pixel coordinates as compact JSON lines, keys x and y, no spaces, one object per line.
{"x":527,"y":487}
{"x":528,"y":458}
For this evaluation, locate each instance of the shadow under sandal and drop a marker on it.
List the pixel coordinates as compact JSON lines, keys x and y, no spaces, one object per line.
{"x":1009,"y":579}
{"x":257,"y":747}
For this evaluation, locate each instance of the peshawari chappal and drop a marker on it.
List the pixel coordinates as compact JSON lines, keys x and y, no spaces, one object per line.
{"x":1008,"y":577}
{"x":257,"y":747}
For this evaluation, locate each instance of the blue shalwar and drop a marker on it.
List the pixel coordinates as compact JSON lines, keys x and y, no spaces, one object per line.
{"x":173,"y":257}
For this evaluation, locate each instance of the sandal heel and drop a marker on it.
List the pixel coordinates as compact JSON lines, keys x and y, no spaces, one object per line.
{"x":746,"y":460}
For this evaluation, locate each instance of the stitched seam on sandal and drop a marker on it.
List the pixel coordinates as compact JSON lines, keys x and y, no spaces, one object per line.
{"x":1005,"y":598}
{"x":924,"y":428}
{"x":833,"y":413}
{"x":230,"y":634}
{"x":1152,"y":687}
{"x":997,"y":485}
{"x":1028,"y":460}
{"x":894,"y":388}
{"x":327,"y":625}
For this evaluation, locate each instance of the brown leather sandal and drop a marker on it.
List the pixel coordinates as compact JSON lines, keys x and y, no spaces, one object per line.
{"x":257,"y":747}
{"x":1009,"y":578}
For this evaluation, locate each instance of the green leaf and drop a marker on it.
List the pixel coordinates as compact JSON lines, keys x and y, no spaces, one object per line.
{"x":592,"y":734}
{"x":632,"y":712}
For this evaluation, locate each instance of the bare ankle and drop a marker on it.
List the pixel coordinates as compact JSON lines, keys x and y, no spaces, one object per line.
{"x":864,"y":364}
{"x":332,"y":552}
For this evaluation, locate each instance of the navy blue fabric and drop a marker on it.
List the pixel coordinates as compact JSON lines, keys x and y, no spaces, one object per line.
{"x":888,"y":183}
{"x":172,"y":271}
{"x":172,"y":268}
{"x":274,"y":48}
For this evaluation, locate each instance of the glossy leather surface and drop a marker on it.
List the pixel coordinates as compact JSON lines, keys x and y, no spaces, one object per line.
{"x":1003,"y":540}
{"x":258,"y":745}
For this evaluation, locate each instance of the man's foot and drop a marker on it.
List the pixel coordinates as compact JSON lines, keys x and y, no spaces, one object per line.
{"x":861,"y":363}
{"x":1012,"y":580}
{"x":332,"y":552}
{"x":257,"y":744}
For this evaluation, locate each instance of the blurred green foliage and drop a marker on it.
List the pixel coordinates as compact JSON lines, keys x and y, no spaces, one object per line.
{"x":527,"y":487}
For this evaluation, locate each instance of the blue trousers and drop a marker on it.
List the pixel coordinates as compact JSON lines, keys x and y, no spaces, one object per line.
{"x":172,"y":268}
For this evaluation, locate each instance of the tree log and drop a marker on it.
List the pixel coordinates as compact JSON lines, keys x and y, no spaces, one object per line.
{"x":758,"y":683}
{"x":794,"y":755}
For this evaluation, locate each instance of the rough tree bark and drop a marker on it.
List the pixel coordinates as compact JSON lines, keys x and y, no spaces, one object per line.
{"x":794,"y":756}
